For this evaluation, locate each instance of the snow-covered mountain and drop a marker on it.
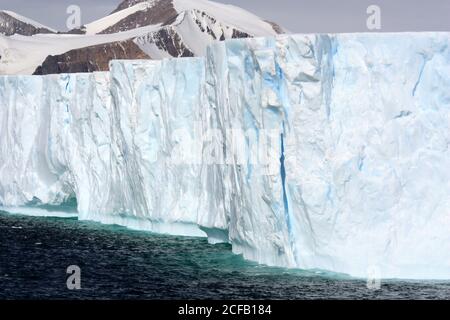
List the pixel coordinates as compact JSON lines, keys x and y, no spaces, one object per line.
{"x":13,"y":23}
{"x":153,"y":29}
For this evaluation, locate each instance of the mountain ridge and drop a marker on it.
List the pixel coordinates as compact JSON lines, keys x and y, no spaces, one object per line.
{"x":136,"y":29}
{"x":13,"y":23}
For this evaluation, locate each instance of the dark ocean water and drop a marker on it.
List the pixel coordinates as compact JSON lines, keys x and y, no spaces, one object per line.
{"x":117,"y":263}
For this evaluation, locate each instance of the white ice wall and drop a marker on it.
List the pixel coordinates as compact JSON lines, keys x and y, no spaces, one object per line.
{"x":156,"y":104}
{"x":355,"y":178}
{"x":241,"y":76}
{"x":52,"y":134}
{"x":370,"y":183}
{"x":365,"y":122}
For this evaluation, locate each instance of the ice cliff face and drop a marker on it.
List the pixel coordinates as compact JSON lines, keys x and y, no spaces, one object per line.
{"x":312,"y":151}
{"x":155,"y":105}
{"x":55,"y":138}
{"x":365,"y":130}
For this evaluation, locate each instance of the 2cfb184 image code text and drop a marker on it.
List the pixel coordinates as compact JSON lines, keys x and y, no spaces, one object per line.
{"x":226,"y":309}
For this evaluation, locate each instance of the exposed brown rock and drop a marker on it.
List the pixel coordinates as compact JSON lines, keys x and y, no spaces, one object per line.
{"x":126,"y":4}
{"x":81,"y":30}
{"x":237,"y":34}
{"x":277,"y":28}
{"x":159,"y":13}
{"x":90,"y":59}
{"x":168,"y":40}
{"x":10,"y":25}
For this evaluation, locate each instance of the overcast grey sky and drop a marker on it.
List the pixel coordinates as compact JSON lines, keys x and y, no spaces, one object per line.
{"x":296,"y":15}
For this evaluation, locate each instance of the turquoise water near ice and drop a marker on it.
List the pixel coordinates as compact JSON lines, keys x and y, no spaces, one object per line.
{"x":117,"y":263}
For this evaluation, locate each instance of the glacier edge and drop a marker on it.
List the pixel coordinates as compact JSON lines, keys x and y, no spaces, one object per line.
{"x":354,"y":177}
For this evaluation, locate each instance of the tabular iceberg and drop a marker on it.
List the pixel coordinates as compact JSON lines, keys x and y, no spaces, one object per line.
{"x":310,"y":151}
